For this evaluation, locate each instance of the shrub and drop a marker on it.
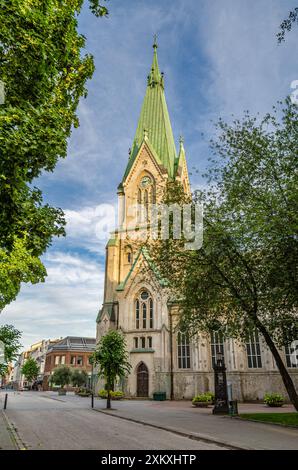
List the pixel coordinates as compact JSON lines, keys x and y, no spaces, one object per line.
{"x":273,"y":399}
{"x":104,"y":393}
{"x":84,"y":392}
{"x":203,"y":398}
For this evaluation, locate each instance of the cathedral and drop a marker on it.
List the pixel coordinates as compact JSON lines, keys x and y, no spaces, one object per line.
{"x":162,"y":358}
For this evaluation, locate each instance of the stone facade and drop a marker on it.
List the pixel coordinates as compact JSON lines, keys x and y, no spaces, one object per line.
{"x":137,"y":302}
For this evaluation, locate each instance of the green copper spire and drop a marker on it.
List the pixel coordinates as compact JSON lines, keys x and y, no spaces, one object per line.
{"x":155,"y":119}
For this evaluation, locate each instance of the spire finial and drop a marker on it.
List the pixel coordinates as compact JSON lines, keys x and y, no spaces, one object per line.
{"x":155,"y":46}
{"x":181,"y":140}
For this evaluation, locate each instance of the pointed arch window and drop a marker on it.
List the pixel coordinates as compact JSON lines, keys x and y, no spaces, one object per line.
{"x":144,"y":311}
{"x":137,"y":314}
{"x":145,"y":197}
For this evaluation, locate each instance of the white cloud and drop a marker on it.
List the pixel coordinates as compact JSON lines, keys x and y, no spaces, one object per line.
{"x":66,"y":304}
{"x":90,"y":227}
{"x":219,"y":58}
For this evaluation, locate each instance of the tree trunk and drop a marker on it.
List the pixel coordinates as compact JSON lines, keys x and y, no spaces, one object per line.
{"x":288,"y":382}
{"x":109,"y":395}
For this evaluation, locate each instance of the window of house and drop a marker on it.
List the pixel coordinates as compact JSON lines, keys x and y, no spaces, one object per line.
{"x":217,"y":346}
{"x":57,"y":360}
{"x":183,"y":351}
{"x":73,"y":360}
{"x":149,"y":342}
{"x":143,"y":342}
{"x":136,"y":343}
{"x":129,"y":257}
{"x":62,"y":359}
{"x":253,"y":349}
{"x":144,"y":310}
{"x":291,"y":351}
{"x":80,"y":360}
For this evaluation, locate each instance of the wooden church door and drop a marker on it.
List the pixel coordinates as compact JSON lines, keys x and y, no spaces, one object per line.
{"x":142,"y":380}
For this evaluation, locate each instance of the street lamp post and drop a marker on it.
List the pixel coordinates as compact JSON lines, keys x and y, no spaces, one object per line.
{"x":92,"y":386}
{"x":221,"y":405}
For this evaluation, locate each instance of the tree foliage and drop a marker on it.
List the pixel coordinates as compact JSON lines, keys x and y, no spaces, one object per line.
{"x":287,"y":24}
{"x":112,"y":359}
{"x":44,"y":71}
{"x":10,"y":337}
{"x":16,"y":266}
{"x":79,"y":377}
{"x":61,"y":376}
{"x":245,"y":275}
{"x":30,"y":369}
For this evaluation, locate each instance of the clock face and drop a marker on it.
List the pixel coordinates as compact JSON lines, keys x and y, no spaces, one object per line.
{"x":146,"y":181}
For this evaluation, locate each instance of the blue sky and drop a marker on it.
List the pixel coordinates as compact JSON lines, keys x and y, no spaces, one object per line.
{"x":220,"y":57}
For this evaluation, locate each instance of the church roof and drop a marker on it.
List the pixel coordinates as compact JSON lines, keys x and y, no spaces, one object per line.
{"x":143,"y":251}
{"x":154,"y":122}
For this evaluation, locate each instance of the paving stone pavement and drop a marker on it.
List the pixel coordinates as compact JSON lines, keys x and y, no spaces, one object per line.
{"x":200,"y":422}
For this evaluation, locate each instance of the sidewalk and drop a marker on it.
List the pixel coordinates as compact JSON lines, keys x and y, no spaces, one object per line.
{"x":181,"y":417}
{"x":6,"y":441}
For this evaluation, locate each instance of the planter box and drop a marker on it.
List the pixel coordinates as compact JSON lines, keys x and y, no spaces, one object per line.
{"x":202,"y":404}
{"x":159,"y":396}
{"x":275,"y":405}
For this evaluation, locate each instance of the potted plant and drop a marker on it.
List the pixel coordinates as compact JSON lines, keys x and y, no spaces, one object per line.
{"x":61,"y":376}
{"x":273,"y":399}
{"x":203,"y":400}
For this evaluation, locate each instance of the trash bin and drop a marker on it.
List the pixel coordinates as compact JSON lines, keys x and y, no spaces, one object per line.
{"x":159,"y":396}
{"x":233,"y":408}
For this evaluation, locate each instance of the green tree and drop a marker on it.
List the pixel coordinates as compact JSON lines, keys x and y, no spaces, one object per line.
{"x":245,"y":275}
{"x":61,"y":376}
{"x":44,"y":71}
{"x":16,"y":266}
{"x":112,"y":359}
{"x":79,"y":377}
{"x":10,"y":342}
{"x":30,"y":369}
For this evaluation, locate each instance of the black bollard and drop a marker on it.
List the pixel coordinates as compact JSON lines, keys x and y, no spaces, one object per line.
{"x":92,"y":400}
{"x":5,"y":401}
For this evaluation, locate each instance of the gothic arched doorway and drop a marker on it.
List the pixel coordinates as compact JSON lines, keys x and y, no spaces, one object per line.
{"x":142,"y":380}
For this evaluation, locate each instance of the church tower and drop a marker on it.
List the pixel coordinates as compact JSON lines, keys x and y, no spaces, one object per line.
{"x":136,"y":304}
{"x":136,"y":299}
